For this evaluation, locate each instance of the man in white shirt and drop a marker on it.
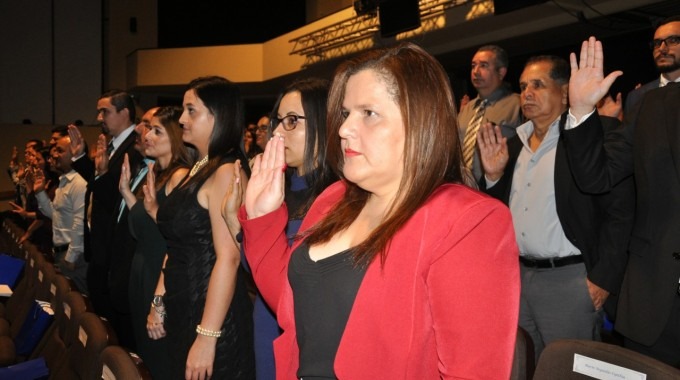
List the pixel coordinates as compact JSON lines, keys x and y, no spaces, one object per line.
{"x":67,"y":212}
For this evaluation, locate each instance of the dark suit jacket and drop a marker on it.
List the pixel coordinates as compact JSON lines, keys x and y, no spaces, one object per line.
{"x":596,"y":224}
{"x":105,"y":198}
{"x":651,"y":281}
{"x":122,"y":250}
{"x":634,"y":97}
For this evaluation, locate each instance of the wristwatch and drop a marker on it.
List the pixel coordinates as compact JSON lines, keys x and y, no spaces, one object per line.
{"x":157,"y":301}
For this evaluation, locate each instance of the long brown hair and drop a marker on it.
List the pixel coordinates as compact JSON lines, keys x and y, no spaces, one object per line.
{"x":182,"y":155}
{"x":432,"y":153}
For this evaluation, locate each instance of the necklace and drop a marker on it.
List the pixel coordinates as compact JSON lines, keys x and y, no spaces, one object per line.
{"x":198,"y":165}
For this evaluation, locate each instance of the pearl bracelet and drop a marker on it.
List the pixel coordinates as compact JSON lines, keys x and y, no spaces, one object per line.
{"x":214,"y":334}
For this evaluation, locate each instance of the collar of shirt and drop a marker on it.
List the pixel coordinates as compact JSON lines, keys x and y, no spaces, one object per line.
{"x":525,"y":130}
{"x":501,"y":92}
{"x":68,"y":176}
{"x":116,"y":141}
{"x":664,"y":81}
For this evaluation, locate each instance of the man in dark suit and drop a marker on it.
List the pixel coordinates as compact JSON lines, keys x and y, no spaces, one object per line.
{"x":666,"y":52}
{"x":647,"y":147}
{"x":116,"y":113}
{"x":572,"y":244}
{"x":123,"y":244}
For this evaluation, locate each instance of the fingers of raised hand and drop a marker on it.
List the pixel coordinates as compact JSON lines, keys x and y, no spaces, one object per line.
{"x":267,"y":159}
{"x":151,"y":178}
{"x":74,"y":133}
{"x":237,"y":171}
{"x":485,"y":136}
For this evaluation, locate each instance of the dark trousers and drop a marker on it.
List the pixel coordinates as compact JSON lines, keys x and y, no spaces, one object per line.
{"x":98,"y":287}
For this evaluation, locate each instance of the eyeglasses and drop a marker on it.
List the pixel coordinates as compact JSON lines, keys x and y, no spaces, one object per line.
{"x":669,"y":41}
{"x":289,"y":122}
{"x":261,"y":128}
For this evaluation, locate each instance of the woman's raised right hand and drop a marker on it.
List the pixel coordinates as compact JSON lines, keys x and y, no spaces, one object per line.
{"x":149,"y":189}
{"x":124,"y":182}
{"x":265,"y":190}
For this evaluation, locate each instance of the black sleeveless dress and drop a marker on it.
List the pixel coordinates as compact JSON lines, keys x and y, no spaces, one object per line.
{"x":191,"y":257}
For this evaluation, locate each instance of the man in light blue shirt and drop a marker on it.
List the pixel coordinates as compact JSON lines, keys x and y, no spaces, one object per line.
{"x":571,"y":251}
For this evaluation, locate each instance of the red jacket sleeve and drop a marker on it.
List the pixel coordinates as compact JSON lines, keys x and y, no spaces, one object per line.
{"x":473,"y":286}
{"x":266,"y":248}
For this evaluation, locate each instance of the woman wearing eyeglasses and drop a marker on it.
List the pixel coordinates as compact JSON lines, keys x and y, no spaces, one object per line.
{"x":300,"y":114}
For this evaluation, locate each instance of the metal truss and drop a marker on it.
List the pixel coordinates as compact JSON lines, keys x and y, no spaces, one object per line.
{"x":359,"y":32}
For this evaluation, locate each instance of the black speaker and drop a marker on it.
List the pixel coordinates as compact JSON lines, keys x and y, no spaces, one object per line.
{"x":505,"y":6}
{"x":398,"y":16}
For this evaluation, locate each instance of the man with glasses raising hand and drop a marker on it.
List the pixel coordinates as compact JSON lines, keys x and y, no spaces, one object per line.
{"x":646,"y":147}
{"x":666,"y":52}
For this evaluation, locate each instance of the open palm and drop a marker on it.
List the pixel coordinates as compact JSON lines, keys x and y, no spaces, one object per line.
{"x":265,"y":190}
{"x":493,"y":150}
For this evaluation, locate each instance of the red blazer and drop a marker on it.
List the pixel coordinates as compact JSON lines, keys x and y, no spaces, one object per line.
{"x":444,"y":305}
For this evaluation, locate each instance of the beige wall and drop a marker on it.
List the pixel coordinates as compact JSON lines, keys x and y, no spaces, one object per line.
{"x":239,"y":63}
{"x":121,"y":42}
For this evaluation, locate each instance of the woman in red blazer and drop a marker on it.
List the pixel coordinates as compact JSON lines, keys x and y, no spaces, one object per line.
{"x":400,"y":271}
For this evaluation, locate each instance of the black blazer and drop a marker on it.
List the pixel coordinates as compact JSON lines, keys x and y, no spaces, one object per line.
{"x":596,"y":224}
{"x":122,"y":250}
{"x":635,"y":96}
{"x":105,"y":199}
{"x":647,"y":146}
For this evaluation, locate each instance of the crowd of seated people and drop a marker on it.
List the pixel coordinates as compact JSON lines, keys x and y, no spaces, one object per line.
{"x":376,"y":217}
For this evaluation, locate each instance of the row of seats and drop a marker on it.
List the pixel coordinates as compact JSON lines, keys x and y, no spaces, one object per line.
{"x":81,"y":345}
{"x":78,"y":344}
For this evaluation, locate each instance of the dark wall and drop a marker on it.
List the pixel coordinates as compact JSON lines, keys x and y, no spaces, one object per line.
{"x":183,"y":23}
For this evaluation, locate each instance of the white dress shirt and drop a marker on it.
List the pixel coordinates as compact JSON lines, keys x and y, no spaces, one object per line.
{"x":67,"y":212}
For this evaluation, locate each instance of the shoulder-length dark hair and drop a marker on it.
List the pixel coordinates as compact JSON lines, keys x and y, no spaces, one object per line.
{"x":432,"y":152}
{"x":182,"y":155}
{"x":314,"y":95}
{"x":223,"y":99}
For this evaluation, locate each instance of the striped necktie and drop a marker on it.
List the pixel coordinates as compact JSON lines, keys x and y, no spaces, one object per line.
{"x":470,"y":140}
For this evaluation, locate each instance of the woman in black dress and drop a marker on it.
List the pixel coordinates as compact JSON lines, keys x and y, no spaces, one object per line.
{"x":162,"y":141}
{"x":208,"y":321}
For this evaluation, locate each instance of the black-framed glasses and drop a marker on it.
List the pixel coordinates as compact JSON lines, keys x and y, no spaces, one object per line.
{"x":289,"y":122}
{"x":262,"y":128}
{"x":669,"y":41}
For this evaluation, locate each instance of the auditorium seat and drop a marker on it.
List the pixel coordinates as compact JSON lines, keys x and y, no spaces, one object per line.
{"x":118,"y":363}
{"x":557,"y":361}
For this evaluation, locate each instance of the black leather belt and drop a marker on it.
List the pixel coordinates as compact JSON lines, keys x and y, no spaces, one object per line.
{"x":60,"y":249}
{"x":553,"y":262}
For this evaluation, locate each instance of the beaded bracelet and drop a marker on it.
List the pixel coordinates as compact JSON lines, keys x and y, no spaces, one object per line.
{"x":210,"y":333}
{"x":162,"y":313}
